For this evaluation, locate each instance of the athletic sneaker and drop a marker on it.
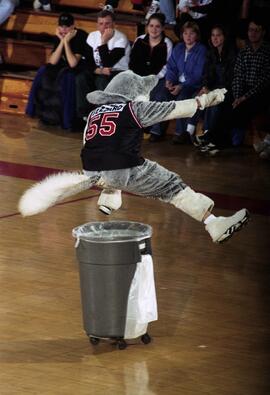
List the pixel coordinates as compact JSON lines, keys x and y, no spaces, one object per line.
{"x":265,"y":154}
{"x":47,"y":7}
{"x":222,"y":228}
{"x":37,"y":5}
{"x":260,"y":146}
{"x":154,"y":7}
{"x":209,"y":149}
{"x":108,"y":7}
{"x":199,"y":141}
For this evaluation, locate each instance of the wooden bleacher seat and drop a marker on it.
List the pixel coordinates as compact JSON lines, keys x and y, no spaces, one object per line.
{"x":44,"y":23}
{"x":124,"y":6}
{"x":26,"y":53}
{"x":14,"y":91}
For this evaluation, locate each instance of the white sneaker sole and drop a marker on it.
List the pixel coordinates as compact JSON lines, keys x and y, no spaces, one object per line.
{"x":233,"y":228}
{"x":105,"y":210}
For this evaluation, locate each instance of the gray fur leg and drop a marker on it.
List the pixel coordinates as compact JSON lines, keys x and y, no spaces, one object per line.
{"x":192,"y":203}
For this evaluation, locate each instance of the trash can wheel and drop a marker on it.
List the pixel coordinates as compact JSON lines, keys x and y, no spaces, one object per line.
{"x":121,"y":344}
{"x":146,"y":339}
{"x":94,"y":340}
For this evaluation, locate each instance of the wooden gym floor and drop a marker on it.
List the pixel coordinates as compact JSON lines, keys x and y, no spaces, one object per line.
{"x":212,"y":336}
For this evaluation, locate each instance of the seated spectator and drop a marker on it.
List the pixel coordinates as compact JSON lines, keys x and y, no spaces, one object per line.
{"x":110,"y":47}
{"x":54,"y":98}
{"x":184,"y":77}
{"x":149,"y":55}
{"x":249,"y":93}
{"x":218,"y":73}
{"x":6,"y":9}
{"x":44,"y":4}
{"x":251,"y":81}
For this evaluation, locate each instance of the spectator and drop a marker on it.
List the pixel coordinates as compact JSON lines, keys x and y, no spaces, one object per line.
{"x":149,"y":55}
{"x":110,"y":47}
{"x":251,"y":79}
{"x":6,"y":9}
{"x":248,"y":96}
{"x":184,"y":77}
{"x":218,"y":73}
{"x":53,"y":97}
{"x":44,"y":4}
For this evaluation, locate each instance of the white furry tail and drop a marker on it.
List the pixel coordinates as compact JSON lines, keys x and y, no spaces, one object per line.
{"x":51,"y":190}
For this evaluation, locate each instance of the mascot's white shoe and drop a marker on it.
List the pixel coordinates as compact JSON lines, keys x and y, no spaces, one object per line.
{"x":109,"y":200}
{"x":222,"y":228}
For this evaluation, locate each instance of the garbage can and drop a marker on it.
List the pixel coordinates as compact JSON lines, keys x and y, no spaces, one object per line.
{"x":116,"y":278}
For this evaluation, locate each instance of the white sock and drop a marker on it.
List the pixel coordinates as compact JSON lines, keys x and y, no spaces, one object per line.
{"x":209,"y":219}
{"x":190,"y":128}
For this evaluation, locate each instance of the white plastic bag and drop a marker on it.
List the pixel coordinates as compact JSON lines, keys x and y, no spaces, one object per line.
{"x":142,"y":302}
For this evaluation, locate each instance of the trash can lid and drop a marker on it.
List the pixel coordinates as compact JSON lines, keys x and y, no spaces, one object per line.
{"x":112,"y":231}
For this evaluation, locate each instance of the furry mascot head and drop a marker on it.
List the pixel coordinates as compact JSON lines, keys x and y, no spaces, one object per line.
{"x":125,"y":86}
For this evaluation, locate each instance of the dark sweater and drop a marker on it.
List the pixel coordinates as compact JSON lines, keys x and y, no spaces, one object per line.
{"x":145,"y":60}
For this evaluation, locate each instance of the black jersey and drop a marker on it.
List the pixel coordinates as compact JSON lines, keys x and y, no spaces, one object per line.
{"x":112,"y":138}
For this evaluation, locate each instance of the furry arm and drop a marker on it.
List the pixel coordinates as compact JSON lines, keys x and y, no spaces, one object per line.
{"x":149,"y":113}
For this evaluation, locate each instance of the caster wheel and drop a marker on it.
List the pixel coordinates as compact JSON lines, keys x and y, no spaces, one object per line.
{"x":121,"y":344}
{"x":94,"y":340}
{"x":146,"y":339}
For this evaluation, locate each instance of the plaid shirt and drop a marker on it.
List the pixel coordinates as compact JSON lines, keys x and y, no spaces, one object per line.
{"x":252,"y":71}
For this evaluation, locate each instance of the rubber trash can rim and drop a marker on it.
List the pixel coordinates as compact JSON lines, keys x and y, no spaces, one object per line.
{"x":112,"y":231}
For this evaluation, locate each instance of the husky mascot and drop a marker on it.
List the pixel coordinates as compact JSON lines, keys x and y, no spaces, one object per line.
{"x":111,"y":156}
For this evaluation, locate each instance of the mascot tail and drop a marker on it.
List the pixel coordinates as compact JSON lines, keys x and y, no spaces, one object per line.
{"x":52,"y":190}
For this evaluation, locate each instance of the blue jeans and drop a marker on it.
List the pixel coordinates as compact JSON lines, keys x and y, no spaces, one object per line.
{"x":6,"y":9}
{"x":210,"y":117}
{"x":168,"y":9}
{"x":181,"y":123}
{"x":159,"y":93}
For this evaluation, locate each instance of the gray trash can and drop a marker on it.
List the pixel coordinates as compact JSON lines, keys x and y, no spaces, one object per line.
{"x":111,"y":258}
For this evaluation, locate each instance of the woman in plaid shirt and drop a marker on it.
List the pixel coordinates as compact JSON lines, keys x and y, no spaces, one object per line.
{"x":251,"y":79}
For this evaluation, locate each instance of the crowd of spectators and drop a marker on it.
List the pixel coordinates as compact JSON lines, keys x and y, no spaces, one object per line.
{"x":206,"y":57}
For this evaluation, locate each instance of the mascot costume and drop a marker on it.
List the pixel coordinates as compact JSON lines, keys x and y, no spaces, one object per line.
{"x":111,"y":156}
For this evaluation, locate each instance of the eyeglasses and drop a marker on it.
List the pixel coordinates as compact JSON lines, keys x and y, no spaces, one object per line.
{"x":254,"y":30}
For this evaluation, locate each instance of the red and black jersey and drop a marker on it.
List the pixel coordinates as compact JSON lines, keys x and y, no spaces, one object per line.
{"x":112,"y":138}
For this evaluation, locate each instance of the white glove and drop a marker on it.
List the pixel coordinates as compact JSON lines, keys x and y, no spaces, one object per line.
{"x":212,"y":98}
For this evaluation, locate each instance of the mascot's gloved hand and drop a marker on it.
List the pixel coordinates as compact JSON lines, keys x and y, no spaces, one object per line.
{"x":212,"y":98}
